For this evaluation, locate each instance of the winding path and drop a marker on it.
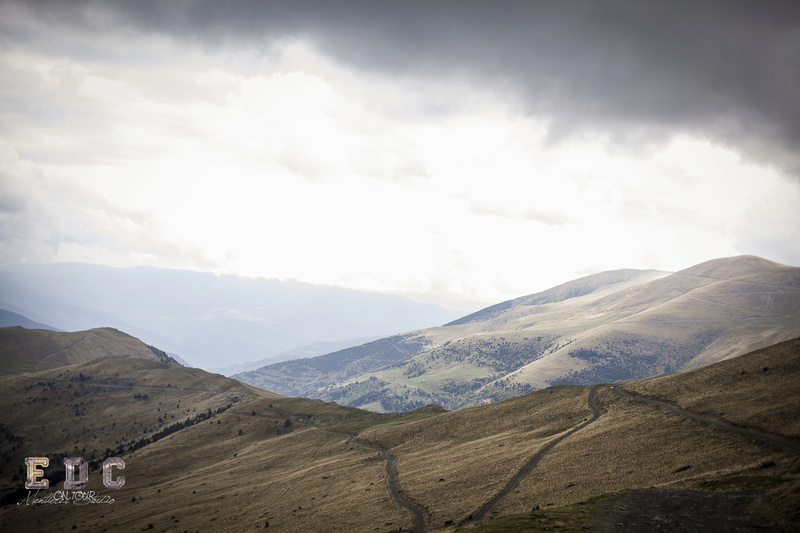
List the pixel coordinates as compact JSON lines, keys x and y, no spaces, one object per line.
{"x":419,"y":517}
{"x":768,"y":439}
{"x":528,"y":468}
{"x":391,"y":478}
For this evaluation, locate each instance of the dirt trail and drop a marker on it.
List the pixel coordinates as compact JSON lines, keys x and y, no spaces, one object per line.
{"x":768,"y":439}
{"x":391,"y":477}
{"x":528,"y":468}
{"x":391,"y":480}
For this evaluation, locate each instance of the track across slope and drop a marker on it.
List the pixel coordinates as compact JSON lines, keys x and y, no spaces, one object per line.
{"x":530,"y":465}
{"x":768,"y":439}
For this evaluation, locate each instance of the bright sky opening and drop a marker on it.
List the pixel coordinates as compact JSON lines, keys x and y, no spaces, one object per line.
{"x":461,"y":150}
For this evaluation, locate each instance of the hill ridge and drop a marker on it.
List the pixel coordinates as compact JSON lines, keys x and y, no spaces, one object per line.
{"x":621,"y":324}
{"x":572,"y":289}
{"x":30,"y":350}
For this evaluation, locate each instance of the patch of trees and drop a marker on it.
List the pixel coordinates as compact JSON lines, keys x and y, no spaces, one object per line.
{"x":460,"y":388}
{"x":413,"y":369}
{"x":162,"y":356}
{"x":44,"y":385}
{"x":496,"y":353}
{"x":628,"y":356}
{"x":11,"y":445}
{"x":393,"y":403}
{"x":503,"y":390}
{"x":7,"y":436}
{"x":607,"y":368}
{"x":164,"y":432}
{"x":374,"y":390}
{"x":302,"y":377}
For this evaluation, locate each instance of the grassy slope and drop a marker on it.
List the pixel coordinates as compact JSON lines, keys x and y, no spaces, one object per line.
{"x":30,"y":350}
{"x":599,"y":328}
{"x":84,"y":410}
{"x":240,"y":469}
{"x":635,"y":446}
{"x":760,"y":390}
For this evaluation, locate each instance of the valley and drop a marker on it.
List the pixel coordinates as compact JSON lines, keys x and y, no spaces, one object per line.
{"x":211,"y":321}
{"x":638,"y":398}
{"x":399,"y":266}
{"x":262,"y":459}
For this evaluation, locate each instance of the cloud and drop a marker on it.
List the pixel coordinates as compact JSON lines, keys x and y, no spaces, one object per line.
{"x":531,"y":214}
{"x":432,"y":146}
{"x":634,"y":71}
{"x":45,"y":220}
{"x":768,"y":226}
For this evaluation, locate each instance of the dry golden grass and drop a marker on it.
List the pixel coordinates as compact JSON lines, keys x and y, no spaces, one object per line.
{"x":307,"y":480}
{"x":237,"y":472}
{"x":85,"y":410}
{"x":632,"y":445}
{"x":31,"y":350}
{"x":760,"y":391}
{"x":450,"y":465}
{"x":304,"y":481}
{"x":233,"y":471}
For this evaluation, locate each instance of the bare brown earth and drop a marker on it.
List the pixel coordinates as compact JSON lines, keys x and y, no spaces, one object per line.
{"x":264,"y":461}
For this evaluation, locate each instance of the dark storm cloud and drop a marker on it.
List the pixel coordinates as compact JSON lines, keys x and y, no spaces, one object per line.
{"x":637,"y":71}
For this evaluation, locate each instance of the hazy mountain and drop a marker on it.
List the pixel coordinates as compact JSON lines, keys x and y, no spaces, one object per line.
{"x":201,"y":451}
{"x":178,"y":359}
{"x":610,"y":326}
{"x":210,"y":321}
{"x":311,"y":350}
{"x":31,"y":350}
{"x":8,"y":318}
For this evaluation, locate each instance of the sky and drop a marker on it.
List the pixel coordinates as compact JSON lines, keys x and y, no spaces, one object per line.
{"x":452,"y":151}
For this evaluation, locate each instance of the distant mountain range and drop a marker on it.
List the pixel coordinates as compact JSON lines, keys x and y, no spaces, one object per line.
{"x":210,"y":321}
{"x":7,"y":319}
{"x":610,"y":326}
{"x":311,"y":350}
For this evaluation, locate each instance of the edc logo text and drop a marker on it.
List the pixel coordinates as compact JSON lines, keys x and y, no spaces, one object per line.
{"x":34,"y":467}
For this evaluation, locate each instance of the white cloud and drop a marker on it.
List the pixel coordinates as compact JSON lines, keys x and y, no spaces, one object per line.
{"x":54,"y":220}
{"x":287,"y":164}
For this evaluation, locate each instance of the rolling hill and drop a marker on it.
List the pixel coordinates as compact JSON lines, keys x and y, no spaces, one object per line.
{"x":205,"y":452}
{"x":610,"y":326}
{"x":30,"y":350}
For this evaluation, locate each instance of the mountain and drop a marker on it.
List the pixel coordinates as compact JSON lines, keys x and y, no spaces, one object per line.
{"x":719,"y":452}
{"x":211,"y":321}
{"x":8,"y":318}
{"x":610,"y":326}
{"x":31,"y":350}
{"x":311,"y":350}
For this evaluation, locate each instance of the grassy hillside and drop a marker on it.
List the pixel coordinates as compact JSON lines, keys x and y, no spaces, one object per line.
{"x":110,"y":405}
{"x":29,"y":350}
{"x":611,"y":326}
{"x":301,"y":375}
{"x":264,"y":460}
